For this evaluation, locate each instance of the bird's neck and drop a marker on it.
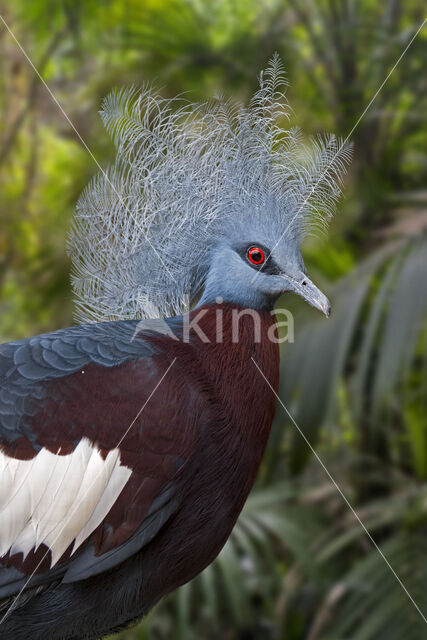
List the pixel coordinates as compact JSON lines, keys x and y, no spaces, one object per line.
{"x":233,"y":352}
{"x":237,"y":348}
{"x":214,"y":295}
{"x":229,"y":328}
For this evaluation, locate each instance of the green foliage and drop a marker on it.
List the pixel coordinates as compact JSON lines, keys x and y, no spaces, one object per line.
{"x":373,"y":604}
{"x":375,"y":343}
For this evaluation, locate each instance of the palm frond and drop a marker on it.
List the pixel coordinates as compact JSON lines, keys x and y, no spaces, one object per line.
{"x":376,"y":607}
{"x":379,"y":315}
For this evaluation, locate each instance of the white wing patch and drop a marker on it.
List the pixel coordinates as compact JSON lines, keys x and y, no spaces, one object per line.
{"x":57,"y":499}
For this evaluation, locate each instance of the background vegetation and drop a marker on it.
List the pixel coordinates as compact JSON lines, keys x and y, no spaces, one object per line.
{"x":298,"y":565}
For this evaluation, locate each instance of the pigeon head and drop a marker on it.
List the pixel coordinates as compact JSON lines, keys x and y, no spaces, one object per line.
{"x":253,"y":268}
{"x":202,"y":202}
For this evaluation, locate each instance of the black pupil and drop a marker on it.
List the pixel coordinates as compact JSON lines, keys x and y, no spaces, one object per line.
{"x":256,"y":255}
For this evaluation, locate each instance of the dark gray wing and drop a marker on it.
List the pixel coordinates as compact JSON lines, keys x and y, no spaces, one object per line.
{"x":25,"y":365}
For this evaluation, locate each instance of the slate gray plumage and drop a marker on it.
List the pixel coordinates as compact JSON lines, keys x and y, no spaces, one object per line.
{"x":187,"y":177}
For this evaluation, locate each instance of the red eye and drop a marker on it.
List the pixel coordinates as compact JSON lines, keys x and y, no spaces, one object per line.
{"x":256,"y":255}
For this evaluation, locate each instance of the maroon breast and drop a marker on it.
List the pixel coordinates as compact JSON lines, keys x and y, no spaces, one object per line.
{"x":230,"y":361}
{"x":228,"y":451}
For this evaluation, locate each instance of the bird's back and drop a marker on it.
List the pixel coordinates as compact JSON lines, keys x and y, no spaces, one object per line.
{"x":187,"y":421}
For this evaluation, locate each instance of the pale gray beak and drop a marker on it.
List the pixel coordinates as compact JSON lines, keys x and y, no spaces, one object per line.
{"x":304,"y":287}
